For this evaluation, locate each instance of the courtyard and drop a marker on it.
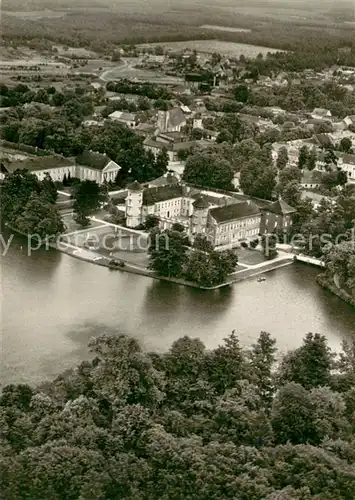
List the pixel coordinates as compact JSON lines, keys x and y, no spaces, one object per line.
{"x":112,"y":241}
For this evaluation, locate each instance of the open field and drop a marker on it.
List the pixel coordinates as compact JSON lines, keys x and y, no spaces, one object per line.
{"x":35,"y":15}
{"x":224,"y":28}
{"x":127,"y":70}
{"x":230,"y":49}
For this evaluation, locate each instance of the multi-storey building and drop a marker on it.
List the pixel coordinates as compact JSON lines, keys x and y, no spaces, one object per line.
{"x":225,"y":220}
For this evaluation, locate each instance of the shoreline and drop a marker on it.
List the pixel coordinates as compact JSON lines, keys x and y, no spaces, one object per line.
{"x":242,"y":275}
{"x":324,"y":282}
{"x":95,"y":258}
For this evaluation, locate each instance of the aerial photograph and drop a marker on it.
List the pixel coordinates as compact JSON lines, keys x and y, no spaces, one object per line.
{"x":177,"y":241}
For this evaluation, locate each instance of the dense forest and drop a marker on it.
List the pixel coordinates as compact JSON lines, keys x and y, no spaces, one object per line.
{"x":188,"y":424}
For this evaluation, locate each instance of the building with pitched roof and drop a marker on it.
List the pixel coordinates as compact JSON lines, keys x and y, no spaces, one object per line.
{"x":89,"y":165}
{"x":128,"y":119}
{"x":56,"y":166}
{"x":224,"y":219}
{"x":312,"y":179}
{"x":321,"y":113}
{"x":229,"y":225}
{"x":168,"y":179}
{"x":96,"y":167}
{"x":276,"y":217}
{"x":171,"y":120}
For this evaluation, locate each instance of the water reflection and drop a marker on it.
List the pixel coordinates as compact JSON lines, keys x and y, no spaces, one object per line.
{"x":54,"y":304}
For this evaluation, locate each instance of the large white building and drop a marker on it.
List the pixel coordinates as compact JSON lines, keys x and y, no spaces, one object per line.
{"x":89,"y":165}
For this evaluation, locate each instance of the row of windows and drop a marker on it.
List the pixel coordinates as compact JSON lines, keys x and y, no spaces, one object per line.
{"x":170,"y":203}
{"x":239,"y":235}
{"x":237,"y":225}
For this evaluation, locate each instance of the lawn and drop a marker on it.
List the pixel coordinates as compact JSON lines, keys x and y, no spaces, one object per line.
{"x":250,"y":257}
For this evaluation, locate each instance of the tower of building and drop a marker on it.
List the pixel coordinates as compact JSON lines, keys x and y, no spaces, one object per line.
{"x":134,"y":203}
{"x":199,"y":216}
{"x":163,"y":119}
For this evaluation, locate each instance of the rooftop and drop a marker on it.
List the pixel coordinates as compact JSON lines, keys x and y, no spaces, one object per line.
{"x":201,"y":203}
{"x":123,"y":116}
{"x":280,"y":207}
{"x":91,"y":159}
{"x":235,"y":211}
{"x":164,"y":180}
{"x":135,"y":186}
{"x":312,"y":177}
{"x":321,"y":112}
{"x":158,"y":194}
{"x":347,"y":158}
{"x":34,"y":164}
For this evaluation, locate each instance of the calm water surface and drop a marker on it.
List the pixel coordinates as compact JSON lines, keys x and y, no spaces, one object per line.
{"x":52,"y":304}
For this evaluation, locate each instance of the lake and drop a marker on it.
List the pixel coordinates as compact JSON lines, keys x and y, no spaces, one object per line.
{"x":52,"y":304}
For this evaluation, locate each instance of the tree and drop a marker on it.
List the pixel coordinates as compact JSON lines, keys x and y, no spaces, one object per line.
{"x":330,"y":159}
{"x":269,"y":244}
{"x":187,"y":423}
{"x":262,"y":359}
{"x":16,"y":191}
{"x":116,"y":56}
{"x":340,"y":265}
{"x":310,"y":365}
{"x":282,"y":158}
{"x":224,"y":136}
{"x":208,"y":169}
{"x":258,"y":180}
{"x":87,"y":199}
{"x":289,"y":174}
{"x":161,"y":162}
{"x":210,"y":269}
{"x":311,"y":160}
{"x":292,"y":415}
{"x":241,"y":93}
{"x":290,"y":193}
{"x":123,"y":372}
{"x":225,"y":263}
{"x":178,"y":227}
{"x":200,"y":269}
{"x":345,"y":144}
{"x":303,"y":157}
{"x":49,"y":191}
{"x":202,"y":243}
{"x":167,"y":252}
{"x":143,"y":103}
{"x":40,"y":218}
{"x":226,"y":364}
{"x":161,"y":104}
{"x":151,"y":221}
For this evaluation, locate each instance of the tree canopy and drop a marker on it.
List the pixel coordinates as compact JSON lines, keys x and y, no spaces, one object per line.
{"x":189,"y":423}
{"x":208,"y":169}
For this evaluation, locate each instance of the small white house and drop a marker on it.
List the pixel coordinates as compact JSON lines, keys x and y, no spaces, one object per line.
{"x":128,"y":119}
{"x":321,"y":113}
{"x":347,"y":163}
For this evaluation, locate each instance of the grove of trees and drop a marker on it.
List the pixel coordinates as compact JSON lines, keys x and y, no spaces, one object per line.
{"x":171,"y":256}
{"x":189,"y":423}
{"x":28,"y":205}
